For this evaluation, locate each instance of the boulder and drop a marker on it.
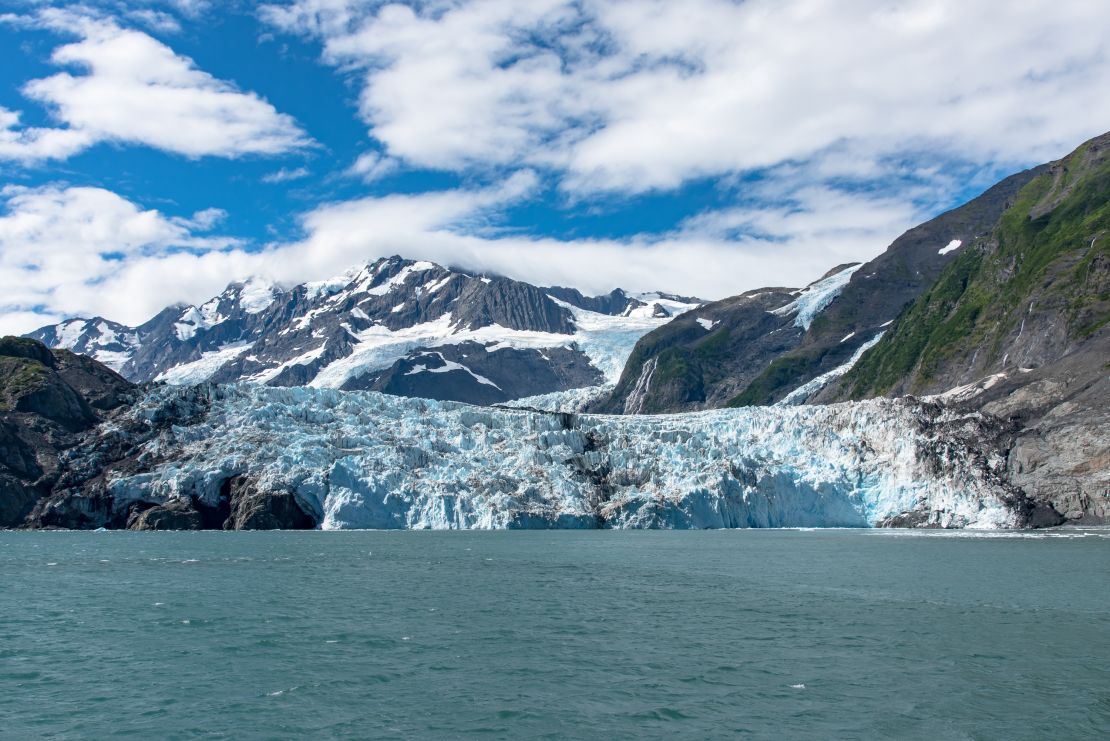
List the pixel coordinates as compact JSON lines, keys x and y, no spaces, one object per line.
{"x":176,"y":514}
{"x":256,"y":509}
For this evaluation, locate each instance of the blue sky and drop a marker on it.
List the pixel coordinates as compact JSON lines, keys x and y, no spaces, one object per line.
{"x":152,"y":151}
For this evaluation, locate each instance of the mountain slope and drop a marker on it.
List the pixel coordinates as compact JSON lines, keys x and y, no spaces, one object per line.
{"x":1018,"y":327}
{"x":1032,"y":291}
{"x":47,"y":401}
{"x":878,"y":292}
{"x":763,"y":346}
{"x":383,"y":319}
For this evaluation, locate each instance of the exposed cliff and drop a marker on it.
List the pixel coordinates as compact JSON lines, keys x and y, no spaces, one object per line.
{"x":48,"y":400}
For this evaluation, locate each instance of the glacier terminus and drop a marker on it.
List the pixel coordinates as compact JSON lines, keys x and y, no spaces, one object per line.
{"x":363,"y":459}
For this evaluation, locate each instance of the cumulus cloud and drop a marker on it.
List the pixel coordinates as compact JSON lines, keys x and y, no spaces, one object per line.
{"x":130,"y":88}
{"x":87,"y":251}
{"x":63,"y":248}
{"x":648,"y":94}
{"x":835,"y":124}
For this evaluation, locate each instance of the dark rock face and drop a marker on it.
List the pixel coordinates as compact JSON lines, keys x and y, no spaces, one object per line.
{"x":242,"y":507}
{"x":252,"y":509}
{"x":614,"y":303}
{"x":473,"y":373}
{"x":511,"y":304}
{"x":178,"y":514}
{"x":81,"y":497}
{"x":47,"y":401}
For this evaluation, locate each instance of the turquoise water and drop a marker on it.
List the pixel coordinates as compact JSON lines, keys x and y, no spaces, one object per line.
{"x":760,"y":634}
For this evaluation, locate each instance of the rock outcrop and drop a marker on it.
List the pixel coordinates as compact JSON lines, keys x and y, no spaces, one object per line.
{"x":48,"y":401}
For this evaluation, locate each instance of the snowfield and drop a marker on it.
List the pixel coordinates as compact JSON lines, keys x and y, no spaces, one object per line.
{"x":366,"y":460}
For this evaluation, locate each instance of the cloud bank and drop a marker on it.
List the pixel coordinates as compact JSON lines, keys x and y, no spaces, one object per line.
{"x":648,"y":94}
{"x":88,"y":251}
{"x":824,"y":127}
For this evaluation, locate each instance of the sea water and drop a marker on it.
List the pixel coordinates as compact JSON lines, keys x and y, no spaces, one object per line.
{"x":536,"y":634}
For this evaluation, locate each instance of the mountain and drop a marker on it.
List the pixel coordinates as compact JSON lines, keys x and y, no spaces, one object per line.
{"x":759,"y":347}
{"x":1030,"y":292}
{"x":991,"y":323}
{"x":48,"y":400}
{"x":1018,"y":327}
{"x":400,"y":326}
{"x":1000,"y":307}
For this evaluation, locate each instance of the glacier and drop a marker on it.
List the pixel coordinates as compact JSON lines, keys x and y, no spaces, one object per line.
{"x":366,"y":460}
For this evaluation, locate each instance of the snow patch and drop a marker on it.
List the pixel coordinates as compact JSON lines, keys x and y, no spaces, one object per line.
{"x":813,"y":299}
{"x":202,"y":369}
{"x":970,"y":390}
{"x":114,"y":359}
{"x":69,"y":333}
{"x":954,"y":245}
{"x":303,"y":359}
{"x":707,"y":324}
{"x":256,"y":296}
{"x":806,"y":390}
{"x":447,"y":367}
{"x":193,"y":319}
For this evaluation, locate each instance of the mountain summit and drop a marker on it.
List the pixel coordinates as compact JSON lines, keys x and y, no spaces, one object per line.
{"x":406,"y":327}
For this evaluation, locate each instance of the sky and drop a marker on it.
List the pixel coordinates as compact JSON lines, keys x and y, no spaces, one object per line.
{"x":152,"y":151}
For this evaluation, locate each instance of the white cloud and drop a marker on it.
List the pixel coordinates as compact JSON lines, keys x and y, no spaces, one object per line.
{"x":156,"y":20}
{"x":62,"y":248}
{"x":131,"y":88}
{"x":86,"y":251}
{"x":713,"y":255}
{"x":626,"y":96}
{"x":645,"y":94}
{"x":285,"y":175}
{"x":370,"y":166}
{"x":38,"y":143}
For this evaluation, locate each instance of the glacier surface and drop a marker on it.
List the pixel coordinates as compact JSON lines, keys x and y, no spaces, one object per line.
{"x":366,"y":460}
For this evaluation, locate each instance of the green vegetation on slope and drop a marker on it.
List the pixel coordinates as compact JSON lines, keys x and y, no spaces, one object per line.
{"x":18,"y":377}
{"x":1050,"y":249}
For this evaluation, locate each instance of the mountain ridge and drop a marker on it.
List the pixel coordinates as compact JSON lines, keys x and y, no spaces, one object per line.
{"x":347,"y":331}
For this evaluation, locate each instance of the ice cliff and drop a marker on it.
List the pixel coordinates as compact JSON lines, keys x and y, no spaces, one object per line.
{"x":366,"y":460}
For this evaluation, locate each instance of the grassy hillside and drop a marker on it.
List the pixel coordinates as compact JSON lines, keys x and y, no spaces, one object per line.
{"x":1031,"y":290}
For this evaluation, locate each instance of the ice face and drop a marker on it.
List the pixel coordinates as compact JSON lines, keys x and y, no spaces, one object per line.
{"x":366,"y":460}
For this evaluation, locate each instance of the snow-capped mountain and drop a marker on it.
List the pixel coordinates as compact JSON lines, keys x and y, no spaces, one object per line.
{"x":405,"y":327}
